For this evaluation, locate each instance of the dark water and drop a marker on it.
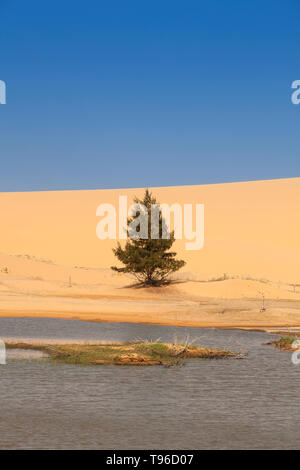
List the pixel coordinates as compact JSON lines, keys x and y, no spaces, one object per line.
{"x":206,"y":404}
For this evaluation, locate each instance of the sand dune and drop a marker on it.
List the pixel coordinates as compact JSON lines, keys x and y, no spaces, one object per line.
{"x":34,"y":288}
{"x":251,"y":228}
{"x":251,"y":234}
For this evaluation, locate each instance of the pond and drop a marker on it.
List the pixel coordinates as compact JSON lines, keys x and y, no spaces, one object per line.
{"x":205,"y":404}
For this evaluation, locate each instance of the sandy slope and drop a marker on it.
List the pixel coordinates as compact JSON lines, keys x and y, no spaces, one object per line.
{"x":35,"y":288}
{"x":251,"y":232}
{"x":251,"y":228}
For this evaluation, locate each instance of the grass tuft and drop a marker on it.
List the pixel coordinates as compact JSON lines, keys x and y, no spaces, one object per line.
{"x":283,"y":343}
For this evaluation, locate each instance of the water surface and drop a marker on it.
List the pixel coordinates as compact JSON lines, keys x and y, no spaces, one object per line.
{"x":206,"y":404}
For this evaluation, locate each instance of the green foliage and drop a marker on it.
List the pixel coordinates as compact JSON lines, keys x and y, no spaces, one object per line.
{"x":143,"y":353}
{"x":284,"y":342}
{"x":148,"y":259}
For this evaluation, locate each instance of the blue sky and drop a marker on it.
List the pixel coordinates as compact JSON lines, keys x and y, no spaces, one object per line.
{"x":110,"y":94}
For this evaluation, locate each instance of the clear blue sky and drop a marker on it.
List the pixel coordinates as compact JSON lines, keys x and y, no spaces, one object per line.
{"x":108,"y":94}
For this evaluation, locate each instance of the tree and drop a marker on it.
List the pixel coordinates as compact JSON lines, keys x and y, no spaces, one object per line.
{"x":148,"y":258}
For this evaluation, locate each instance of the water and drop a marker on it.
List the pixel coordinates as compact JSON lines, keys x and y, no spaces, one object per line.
{"x":25,"y":354}
{"x":206,"y":404}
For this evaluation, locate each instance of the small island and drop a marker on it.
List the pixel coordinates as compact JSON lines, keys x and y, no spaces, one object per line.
{"x":139,"y":354}
{"x":284,"y":343}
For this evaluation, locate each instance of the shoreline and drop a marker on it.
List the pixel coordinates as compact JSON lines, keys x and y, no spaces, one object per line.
{"x":36,"y":289}
{"x":143,"y":319}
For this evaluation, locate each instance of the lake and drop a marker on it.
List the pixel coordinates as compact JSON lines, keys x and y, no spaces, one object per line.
{"x":251,"y":403}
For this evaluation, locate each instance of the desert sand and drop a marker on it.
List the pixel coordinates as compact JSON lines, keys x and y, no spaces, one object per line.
{"x":52,"y":264}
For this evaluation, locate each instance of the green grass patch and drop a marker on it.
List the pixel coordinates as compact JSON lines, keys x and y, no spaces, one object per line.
{"x":284,"y":342}
{"x":142,"y":353}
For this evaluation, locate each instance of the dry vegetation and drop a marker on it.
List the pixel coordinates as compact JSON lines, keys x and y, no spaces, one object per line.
{"x":284,"y":343}
{"x":142,"y":353}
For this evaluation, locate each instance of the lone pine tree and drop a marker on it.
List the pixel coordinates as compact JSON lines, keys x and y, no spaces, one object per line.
{"x":148,"y":258}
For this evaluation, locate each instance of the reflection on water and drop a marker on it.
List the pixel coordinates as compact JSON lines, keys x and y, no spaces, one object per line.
{"x":207,"y":404}
{"x":25,"y":354}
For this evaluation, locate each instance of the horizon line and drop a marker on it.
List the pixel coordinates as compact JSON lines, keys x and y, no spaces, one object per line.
{"x":150,"y":187}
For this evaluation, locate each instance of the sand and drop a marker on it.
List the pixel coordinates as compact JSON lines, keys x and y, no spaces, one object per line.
{"x":35,"y":288}
{"x":251,"y":233}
